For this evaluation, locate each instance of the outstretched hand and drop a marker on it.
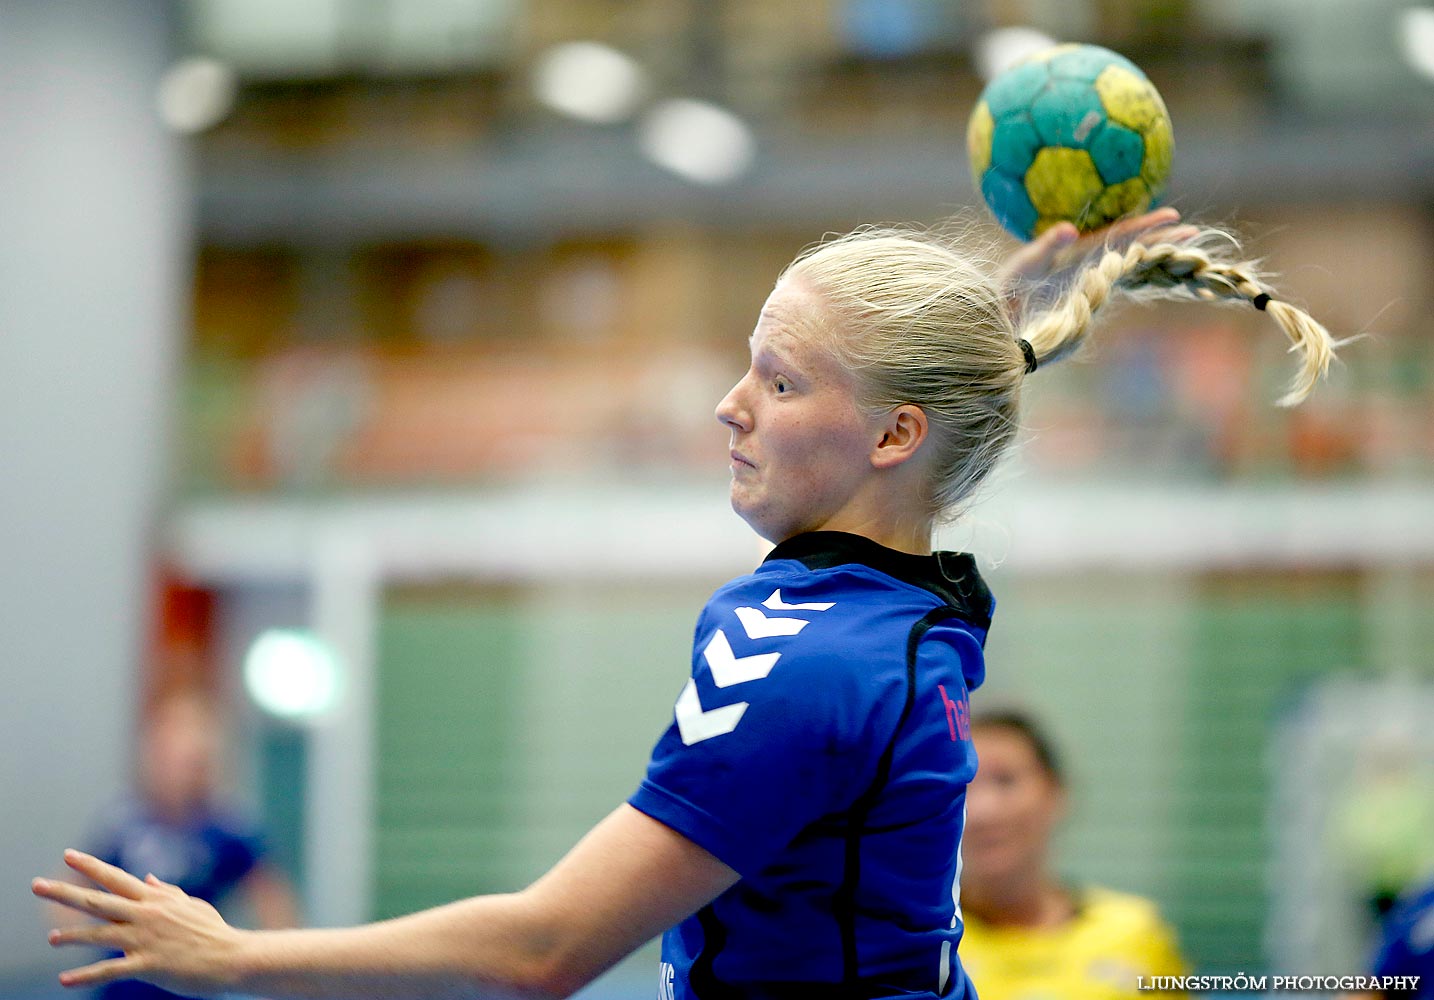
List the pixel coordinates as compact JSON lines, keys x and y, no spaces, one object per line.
{"x":168,"y":937}
{"x":1061,"y":247}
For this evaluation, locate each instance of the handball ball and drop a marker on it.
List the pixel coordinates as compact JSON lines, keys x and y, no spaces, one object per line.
{"x":1075,"y":133}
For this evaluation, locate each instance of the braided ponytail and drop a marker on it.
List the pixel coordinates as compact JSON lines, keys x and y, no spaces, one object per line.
{"x":924,"y":317}
{"x":1165,"y":270}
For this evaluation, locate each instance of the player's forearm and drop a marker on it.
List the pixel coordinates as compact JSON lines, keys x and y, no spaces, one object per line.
{"x":489,"y":946}
{"x":591,"y":909}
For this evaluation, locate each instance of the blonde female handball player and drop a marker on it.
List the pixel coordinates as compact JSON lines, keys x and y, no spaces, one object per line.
{"x":797,"y":833}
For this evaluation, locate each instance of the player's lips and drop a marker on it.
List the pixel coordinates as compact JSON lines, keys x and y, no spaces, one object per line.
{"x":740,"y":459}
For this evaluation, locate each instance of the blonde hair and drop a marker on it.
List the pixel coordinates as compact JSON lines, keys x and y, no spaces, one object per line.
{"x":920,"y":319}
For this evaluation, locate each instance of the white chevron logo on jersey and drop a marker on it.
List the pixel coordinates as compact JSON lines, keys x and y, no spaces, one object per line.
{"x":775,"y":603}
{"x":728,"y":669}
{"x":759,"y":626}
{"x":696,"y":725}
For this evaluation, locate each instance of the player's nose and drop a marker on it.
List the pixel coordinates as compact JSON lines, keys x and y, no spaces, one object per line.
{"x":732,"y":412}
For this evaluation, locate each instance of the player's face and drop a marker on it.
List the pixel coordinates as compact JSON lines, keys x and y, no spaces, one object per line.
{"x":178,"y":757}
{"x":801,"y":447}
{"x":1012,"y":807}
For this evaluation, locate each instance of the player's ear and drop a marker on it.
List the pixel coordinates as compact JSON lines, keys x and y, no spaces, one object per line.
{"x":902,"y":432}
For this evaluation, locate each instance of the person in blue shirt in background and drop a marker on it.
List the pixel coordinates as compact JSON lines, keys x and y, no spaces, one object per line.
{"x":798,"y":831}
{"x":1406,"y":947}
{"x":174,"y":826}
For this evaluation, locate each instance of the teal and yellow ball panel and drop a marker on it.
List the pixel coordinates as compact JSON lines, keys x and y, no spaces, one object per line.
{"x":1073,"y":133}
{"x":1015,"y":89}
{"x":1066,"y":112}
{"x":1007,"y":197}
{"x":1014,"y":143}
{"x":1118,"y":152}
{"x":1159,"y":150}
{"x":1129,"y":98}
{"x":1086,"y":62}
{"x":978,"y":138}
{"x":1063,"y":182}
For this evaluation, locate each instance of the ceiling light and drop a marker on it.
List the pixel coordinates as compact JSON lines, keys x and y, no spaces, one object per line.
{"x":196,"y":93}
{"x":1416,"y":39}
{"x":697,"y":141}
{"x":589,"y":81}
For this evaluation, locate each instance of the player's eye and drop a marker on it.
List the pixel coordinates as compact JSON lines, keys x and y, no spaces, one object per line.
{"x":781,"y":385}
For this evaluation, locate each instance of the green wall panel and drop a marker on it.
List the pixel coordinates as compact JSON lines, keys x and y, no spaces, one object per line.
{"x":447,"y":769}
{"x":1255,"y":642}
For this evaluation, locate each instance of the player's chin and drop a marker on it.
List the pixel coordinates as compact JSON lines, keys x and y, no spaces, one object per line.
{"x":993,"y":862}
{"x":744,"y":506}
{"x":758,"y":517}
{"x":743,"y":495}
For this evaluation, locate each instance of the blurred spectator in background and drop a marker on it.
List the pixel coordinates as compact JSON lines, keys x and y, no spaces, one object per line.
{"x":174,"y":827}
{"x":1383,"y":829}
{"x":1029,"y":934}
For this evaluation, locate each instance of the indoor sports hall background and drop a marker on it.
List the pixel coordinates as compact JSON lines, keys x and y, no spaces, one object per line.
{"x":367,"y":349}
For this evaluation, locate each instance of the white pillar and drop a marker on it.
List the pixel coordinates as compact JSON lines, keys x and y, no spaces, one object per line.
{"x":339,"y":809}
{"x":94,"y":263}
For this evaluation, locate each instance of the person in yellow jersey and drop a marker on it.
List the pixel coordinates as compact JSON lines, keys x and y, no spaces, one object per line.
{"x":1030,"y":935}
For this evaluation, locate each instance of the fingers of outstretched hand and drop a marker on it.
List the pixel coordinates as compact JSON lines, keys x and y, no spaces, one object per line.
{"x":1129,"y":229}
{"x":95,"y":902}
{"x":106,"y":935}
{"x":100,"y":972}
{"x":1171,"y":234}
{"x":1054,"y":239}
{"x":114,"y":879}
{"x":1037,"y":258}
{"x":155,"y":882}
{"x":1060,"y":248}
{"x":1160,"y":226}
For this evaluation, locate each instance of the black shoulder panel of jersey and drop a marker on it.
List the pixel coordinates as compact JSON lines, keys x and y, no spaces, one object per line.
{"x":951,"y":576}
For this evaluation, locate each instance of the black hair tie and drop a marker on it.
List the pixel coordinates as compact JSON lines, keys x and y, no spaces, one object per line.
{"x":1030,"y":352}
{"x":1261,"y":300}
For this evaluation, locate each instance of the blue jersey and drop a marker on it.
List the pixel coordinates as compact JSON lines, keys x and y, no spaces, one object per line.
{"x":822,"y":749}
{"x":1406,"y":946}
{"x":207,"y":856}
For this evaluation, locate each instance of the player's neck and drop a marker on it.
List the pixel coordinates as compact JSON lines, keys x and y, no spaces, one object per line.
{"x":175,"y":810}
{"x":1024,"y":900}
{"x":885,"y":523}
